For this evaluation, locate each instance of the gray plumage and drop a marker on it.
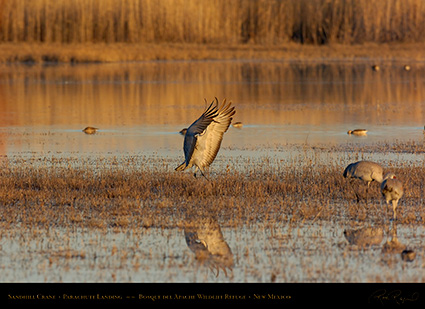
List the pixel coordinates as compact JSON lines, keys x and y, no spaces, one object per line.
{"x":392,"y":190}
{"x":366,"y":171}
{"x":203,"y":138}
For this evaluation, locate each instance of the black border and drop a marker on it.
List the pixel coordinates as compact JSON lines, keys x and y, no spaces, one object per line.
{"x":288,"y":294}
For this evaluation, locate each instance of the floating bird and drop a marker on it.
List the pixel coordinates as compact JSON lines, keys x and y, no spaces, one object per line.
{"x":408,"y":255}
{"x":407,"y":67}
{"x":183,"y":131}
{"x":203,"y":138}
{"x":392,"y":190}
{"x":375,"y":68}
{"x":366,"y":171}
{"x":357,"y":132}
{"x":238,"y":125}
{"x":90,"y":130}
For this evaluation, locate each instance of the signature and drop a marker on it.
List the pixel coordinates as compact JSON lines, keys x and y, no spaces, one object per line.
{"x":395,"y":296}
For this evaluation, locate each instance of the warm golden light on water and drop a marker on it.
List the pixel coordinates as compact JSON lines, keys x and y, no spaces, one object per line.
{"x":128,"y":102}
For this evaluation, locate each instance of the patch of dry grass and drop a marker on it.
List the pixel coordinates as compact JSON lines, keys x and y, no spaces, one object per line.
{"x":88,"y":197}
{"x":118,"y":52}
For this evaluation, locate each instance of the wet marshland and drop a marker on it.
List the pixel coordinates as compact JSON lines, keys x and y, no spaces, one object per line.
{"x":109,"y":207}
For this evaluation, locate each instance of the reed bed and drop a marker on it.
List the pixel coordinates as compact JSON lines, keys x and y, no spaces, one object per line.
{"x":235,"y":21}
{"x":108,"y":30}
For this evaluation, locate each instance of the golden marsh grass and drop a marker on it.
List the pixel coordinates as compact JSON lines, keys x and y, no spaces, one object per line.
{"x":108,"y":30}
{"x":121,"y":196}
{"x":227,"y":22}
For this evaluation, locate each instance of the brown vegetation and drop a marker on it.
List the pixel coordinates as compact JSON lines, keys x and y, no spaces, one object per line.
{"x":229,"y":22}
{"x":118,"y":52}
{"x":112,"y":220}
{"x":108,"y":30}
{"x":123,"y":197}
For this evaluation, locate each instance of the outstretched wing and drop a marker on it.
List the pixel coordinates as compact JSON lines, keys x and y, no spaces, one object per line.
{"x":209,"y":142}
{"x":196,"y":128}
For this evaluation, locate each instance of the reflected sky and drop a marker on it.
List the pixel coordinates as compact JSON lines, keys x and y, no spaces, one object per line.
{"x":141,"y":107}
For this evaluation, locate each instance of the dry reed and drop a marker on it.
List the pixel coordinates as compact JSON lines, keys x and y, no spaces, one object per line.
{"x":175,"y":29}
{"x":235,"y":21}
{"x":121,"y":197}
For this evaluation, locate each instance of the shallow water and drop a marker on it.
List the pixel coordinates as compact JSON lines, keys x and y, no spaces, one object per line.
{"x":287,"y":109}
{"x":285,"y":253}
{"x":141,"y":107}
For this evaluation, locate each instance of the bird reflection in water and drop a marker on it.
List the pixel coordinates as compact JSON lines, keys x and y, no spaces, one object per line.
{"x":204,"y":238}
{"x":393,"y":245}
{"x":364,"y":236}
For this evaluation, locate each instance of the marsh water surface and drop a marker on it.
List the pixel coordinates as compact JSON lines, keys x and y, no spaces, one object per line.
{"x":139,"y":109}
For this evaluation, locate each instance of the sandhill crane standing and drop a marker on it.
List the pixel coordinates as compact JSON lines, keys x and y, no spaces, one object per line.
{"x":203,"y":138}
{"x":366,"y":171}
{"x":392,"y":190}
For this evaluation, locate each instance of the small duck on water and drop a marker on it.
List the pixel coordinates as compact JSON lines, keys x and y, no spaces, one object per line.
{"x":90,"y":130}
{"x":238,"y":125}
{"x":357,"y":132}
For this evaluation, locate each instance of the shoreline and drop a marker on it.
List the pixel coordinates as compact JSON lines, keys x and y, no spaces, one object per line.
{"x":123,"y":52}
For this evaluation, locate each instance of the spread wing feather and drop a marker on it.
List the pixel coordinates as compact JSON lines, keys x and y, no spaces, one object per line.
{"x":210,"y":141}
{"x":203,"y":138}
{"x":195,"y":129}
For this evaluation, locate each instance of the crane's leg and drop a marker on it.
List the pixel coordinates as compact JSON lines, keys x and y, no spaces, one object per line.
{"x":367,"y":191}
{"x":395,"y":202}
{"x":203,"y":174}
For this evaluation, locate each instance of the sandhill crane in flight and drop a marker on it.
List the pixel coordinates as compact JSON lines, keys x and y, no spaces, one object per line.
{"x":392,"y":190}
{"x":366,"y":171}
{"x":203,"y":138}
